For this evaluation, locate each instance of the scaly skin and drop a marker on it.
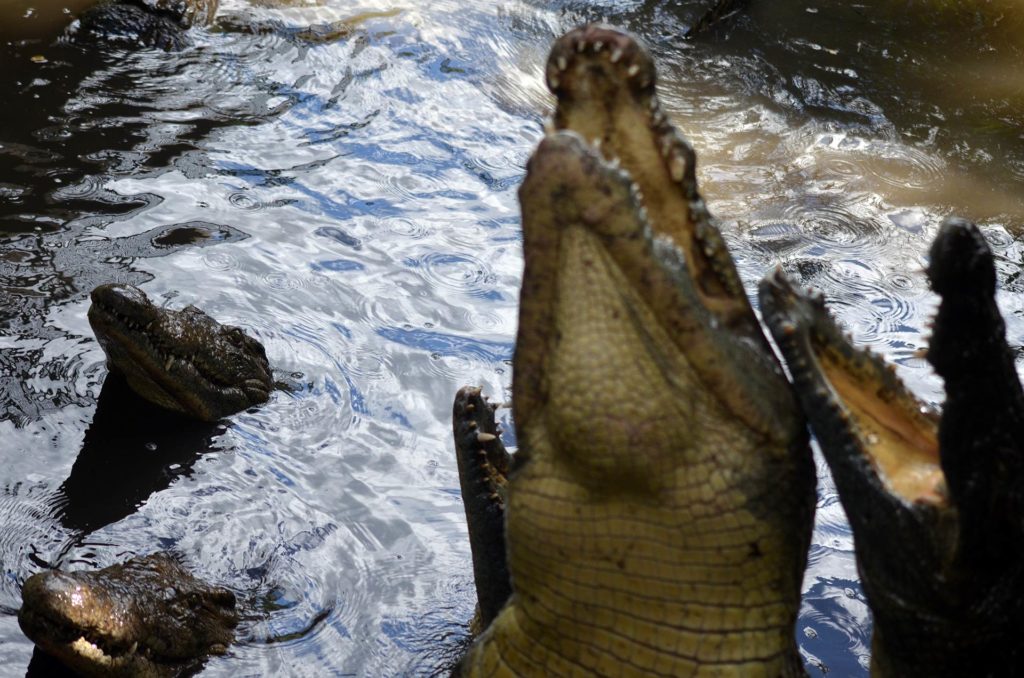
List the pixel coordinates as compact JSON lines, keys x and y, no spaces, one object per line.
{"x":660,"y":509}
{"x":182,"y":360}
{"x":147,"y":617}
{"x":151,"y":23}
{"x":483,"y":471}
{"x":935,"y":505}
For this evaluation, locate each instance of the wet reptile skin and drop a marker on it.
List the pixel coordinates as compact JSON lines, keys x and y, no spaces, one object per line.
{"x":147,"y":617}
{"x":659,"y":509}
{"x":935,"y":503}
{"x":181,"y":360}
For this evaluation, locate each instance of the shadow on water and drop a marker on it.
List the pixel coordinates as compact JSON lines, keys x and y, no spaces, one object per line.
{"x":131,"y":449}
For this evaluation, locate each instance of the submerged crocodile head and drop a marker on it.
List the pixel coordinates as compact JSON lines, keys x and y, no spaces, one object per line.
{"x":935,"y":504}
{"x":659,"y":508}
{"x":182,"y":360}
{"x":134,"y":23}
{"x":146,"y":617}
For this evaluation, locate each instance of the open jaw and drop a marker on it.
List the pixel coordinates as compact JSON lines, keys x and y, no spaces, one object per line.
{"x":605,"y":85}
{"x":857,"y":405}
{"x":145,"y":617}
{"x":181,"y":360}
{"x":934,"y":503}
{"x":646,"y":530}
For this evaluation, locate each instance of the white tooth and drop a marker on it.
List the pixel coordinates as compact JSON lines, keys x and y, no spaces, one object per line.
{"x":676,"y":167}
{"x":580,"y":46}
{"x":616,"y":55}
{"x":170,"y":362}
{"x":549,"y":127}
{"x":562,"y":63}
{"x":632,"y":70}
{"x":598,"y":45}
{"x":554,"y":82}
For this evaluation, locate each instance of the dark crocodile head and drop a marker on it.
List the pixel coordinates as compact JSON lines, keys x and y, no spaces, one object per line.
{"x":935,"y":504}
{"x":659,"y":509}
{"x":182,"y":360}
{"x":146,"y":23}
{"x":146,"y":617}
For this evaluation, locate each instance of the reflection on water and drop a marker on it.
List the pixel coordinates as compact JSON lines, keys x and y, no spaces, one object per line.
{"x":351,"y":202}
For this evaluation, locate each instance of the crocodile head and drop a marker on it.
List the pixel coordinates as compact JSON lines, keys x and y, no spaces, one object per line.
{"x":935,"y":504}
{"x":659,"y":508}
{"x":134,"y":23}
{"x":145,"y":617}
{"x":182,"y":360}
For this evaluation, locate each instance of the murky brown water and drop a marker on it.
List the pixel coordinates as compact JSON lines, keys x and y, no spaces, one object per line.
{"x":352,"y":203}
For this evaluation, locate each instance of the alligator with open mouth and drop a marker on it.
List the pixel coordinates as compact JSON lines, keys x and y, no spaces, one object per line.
{"x":181,"y":360}
{"x":657,"y":515}
{"x":146,"y":617}
{"x":935,"y":504}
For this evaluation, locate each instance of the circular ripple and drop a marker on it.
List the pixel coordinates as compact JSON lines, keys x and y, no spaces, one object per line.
{"x":220,"y":261}
{"x":409,"y":188}
{"x":863,"y":302}
{"x":407,"y":228}
{"x":368,"y":364}
{"x":998,"y":239}
{"x":904,"y":166}
{"x":88,"y":187}
{"x":481,"y":320}
{"x":840,"y":229}
{"x":458,"y":271}
{"x":244,"y":201}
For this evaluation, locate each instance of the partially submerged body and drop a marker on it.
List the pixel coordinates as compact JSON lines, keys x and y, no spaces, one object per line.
{"x":147,"y":617}
{"x":132,"y":23}
{"x":181,"y":360}
{"x":660,"y":506}
{"x":935,"y":504}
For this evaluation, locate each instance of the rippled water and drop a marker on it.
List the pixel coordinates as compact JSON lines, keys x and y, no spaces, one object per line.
{"x":352,"y":204}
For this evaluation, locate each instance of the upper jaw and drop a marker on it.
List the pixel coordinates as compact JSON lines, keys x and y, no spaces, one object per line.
{"x":605,"y":86}
{"x":881,"y":441}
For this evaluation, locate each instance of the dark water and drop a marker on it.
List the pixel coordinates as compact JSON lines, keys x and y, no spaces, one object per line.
{"x":352,"y":204}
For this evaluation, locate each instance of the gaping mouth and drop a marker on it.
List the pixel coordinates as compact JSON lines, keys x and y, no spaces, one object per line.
{"x":146,"y":346}
{"x":62,"y":637}
{"x":853,"y":390}
{"x":605,"y":84}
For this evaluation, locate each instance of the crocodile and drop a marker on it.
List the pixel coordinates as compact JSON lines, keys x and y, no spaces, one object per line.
{"x":658,"y":511}
{"x":151,"y":23}
{"x":181,"y":360}
{"x":934,"y":501}
{"x":146,"y":617}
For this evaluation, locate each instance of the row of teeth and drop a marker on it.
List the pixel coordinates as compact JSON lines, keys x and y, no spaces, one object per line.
{"x":676,"y":152}
{"x":96,"y":648}
{"x":143,"y":330}
{"x":615,"y":56}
